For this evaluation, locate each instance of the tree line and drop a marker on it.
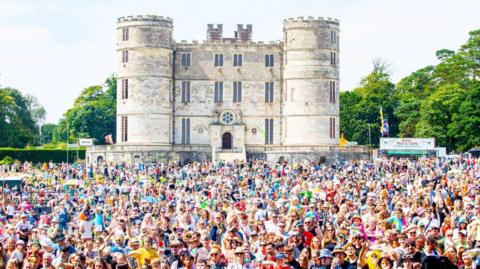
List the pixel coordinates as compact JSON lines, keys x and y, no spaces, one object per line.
{"x":440,"y":101}
{"x":92,"y":116}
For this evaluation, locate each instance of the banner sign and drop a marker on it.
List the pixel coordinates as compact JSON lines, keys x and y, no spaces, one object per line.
{"x":85,"y":142}
{"x":407,"y":143}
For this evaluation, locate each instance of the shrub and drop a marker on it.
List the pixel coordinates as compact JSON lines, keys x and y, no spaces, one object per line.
{"x":42,"y":155}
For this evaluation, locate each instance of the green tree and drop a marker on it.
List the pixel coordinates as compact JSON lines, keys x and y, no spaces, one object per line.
{"x":19,"y":118}
{"x":465,"y":124}
{"x":47,"y":133}
{"x":437,"y":113}
{"x":92,"y":115}
{"x":361,"y":108}
{"x":410,"y":92}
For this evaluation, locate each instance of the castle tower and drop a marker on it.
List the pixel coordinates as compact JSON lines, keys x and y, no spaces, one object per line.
{"x":311,"y":81}
{"x":144,"y":95}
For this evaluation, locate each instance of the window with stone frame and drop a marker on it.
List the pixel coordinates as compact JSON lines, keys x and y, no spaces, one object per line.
{"x":218,"y":92}
{"x":125,"y":88}
{"x":333,"y":37}
{"x":124,"y":129}
{"x":269,"y":60}
{"x":218,"y":60}
{"x":268,"y":131}
{"x":333,"y":58}
{"x":185,"y":91}
{"x":186,"y":131}
{"x":237,"y":60}
{"x":332,"y":128}
{"x":269,"y":92}
{"x":186,"y":59}
{"x":125,"y":34}
{"x":333,"y":91}
{"x":124,"y":56}
{"x":237,"y":91}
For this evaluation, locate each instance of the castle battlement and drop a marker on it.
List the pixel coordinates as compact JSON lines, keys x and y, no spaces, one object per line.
{"x":154,"y":18}
{"x":310,"y":21}
{"x":214,"y":44}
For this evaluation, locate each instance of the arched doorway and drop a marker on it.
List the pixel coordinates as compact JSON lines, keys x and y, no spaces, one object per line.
{"x":100,"y":160}
{"x":227,"y":141}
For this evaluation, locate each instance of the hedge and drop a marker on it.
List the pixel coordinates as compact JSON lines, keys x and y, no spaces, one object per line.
{"x":42,"y":155}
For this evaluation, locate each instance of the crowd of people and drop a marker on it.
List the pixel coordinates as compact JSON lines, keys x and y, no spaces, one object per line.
{"x":387,"y":213}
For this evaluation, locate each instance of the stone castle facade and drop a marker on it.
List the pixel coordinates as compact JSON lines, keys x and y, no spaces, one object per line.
{"x":226,"y":97}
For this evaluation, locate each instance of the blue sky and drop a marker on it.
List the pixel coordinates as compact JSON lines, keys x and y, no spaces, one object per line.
{"x":55,"y":48}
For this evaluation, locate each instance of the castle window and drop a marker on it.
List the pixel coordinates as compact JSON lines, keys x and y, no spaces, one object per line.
{"x":268,"y":131}
{"x":185,"y":131}
{"x":124,"y":34}
{"x":218,"y":95}
{"x":333,"y":91}
{"x":268,"y":92}
{"x":218,"y":61}
{"x":237,"y":60}
{"x":186,"y":59}
{"x":269,"y":60}
{"x":124,"y":128}
{"x":333,"y":58}
{"x":124,"y":88}
{"x":332,"y":128}
{"x":185,"y":91}
{"x":333,"y":37}
{"x":125,"y":56}
{"x":237,"y":92}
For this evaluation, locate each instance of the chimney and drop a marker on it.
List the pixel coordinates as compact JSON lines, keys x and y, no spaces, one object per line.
{"x":213,"y":33}
{"x":243,"y":34}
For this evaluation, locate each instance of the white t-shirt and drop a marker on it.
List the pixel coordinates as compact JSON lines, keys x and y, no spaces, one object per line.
{"x":86,"y":229}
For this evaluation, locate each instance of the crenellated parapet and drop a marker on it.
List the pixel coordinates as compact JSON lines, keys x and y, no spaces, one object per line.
{"x":226,"y":42}
{"x":318,"y":22}
{"x":151,"y":19}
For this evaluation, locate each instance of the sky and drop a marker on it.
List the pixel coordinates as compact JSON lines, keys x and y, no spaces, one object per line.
{"x":55,"y":48}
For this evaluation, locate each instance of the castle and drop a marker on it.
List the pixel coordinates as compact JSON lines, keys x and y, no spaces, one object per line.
{"x":226,"y":97}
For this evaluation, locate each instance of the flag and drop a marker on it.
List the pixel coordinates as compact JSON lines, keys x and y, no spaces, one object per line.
{"x":381,"y":122}
{"x":109,"y":139}
{"x":343,"y":142}
{"x":384,"y":128}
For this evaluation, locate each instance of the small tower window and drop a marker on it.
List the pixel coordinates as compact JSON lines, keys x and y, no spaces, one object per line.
{"x":124,"y":88}
{"x":333,"y":37}
{"x":332,"y":128}
{"x":125,"y":33}
{"x":333,"y":58}
{"x":125,"y":56}
{"x":333,"y":91}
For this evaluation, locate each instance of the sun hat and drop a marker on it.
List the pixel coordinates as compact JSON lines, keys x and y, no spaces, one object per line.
{"x":325,"y":253}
